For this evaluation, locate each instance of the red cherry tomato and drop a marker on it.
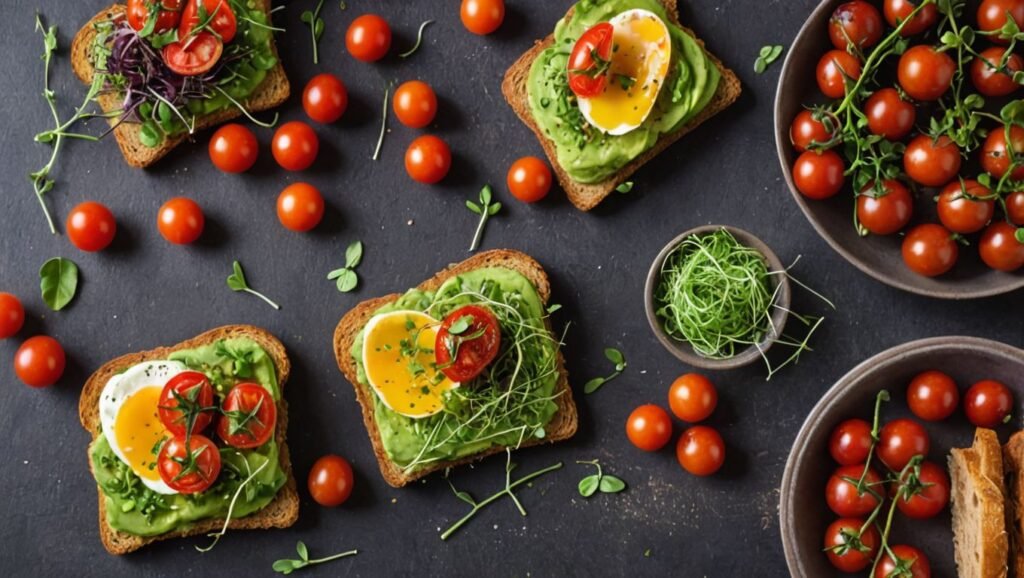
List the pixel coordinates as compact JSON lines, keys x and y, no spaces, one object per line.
{"x":91,"y":226}
{"x":194,"y":56}
{"x":585,"y":74}
{"x":700,"y":450}
{"x":415,"y":104}
{"x":932,"y":396}
{"x":818,"y":175}
{"x":855,"y":22}
{"x":896,"y":11}
{"x":331,"y":481}
{"x":995,"y":158}
{"x":931,"y":162}
{"x":964,"y":208}
{"x":12,"y":315}
{"x":845,"y":499}
{"x":833,"y":69}
{"x":988,"y":403}
{"x":368,"y":38}
{"x":39,"y":362}
{"x":806,"y":130}
{"x":992,"y":16}
{"x":428,"y":159}
{"x":925,"y":73}
{"x":295,"y":146}
{"x":929,"y":495}
{"x":223,"y":22}
{"x":989,"y":78}
{"x":250,"y":416}
{"x":233,"y":148}
{"x":649,"y":428}
{"x":325,"y":98}
{"x":930,"y":250}
{"x":850,"y":442}
{"x":169,"y":14}
{"x":899,"y":441}
{"x":180,"y":221}
{"x":692,"y":397}
{"x":529,"y":179}
{"x":913,"y":562}
{"x":1015,"y":208}
{"x":889,"y":115}
{"x":464,"y":355}
{"x":189,"y":466}
{"x":1000,"y":249}
{"x":300,"y":207}
{"x":885,"y":211}
{"x":849,"y":549}
{"x":187,"y":397}
{"x":482,"y":16}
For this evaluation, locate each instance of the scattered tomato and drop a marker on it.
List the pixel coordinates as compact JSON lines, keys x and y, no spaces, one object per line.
{"x":233,"y":148}
{"x":189,"y":465}
{"x":180,"y":221}
{"x":700,"y":450}
{"x":857,"y":23}
{"x":925,"y":73}
{"x":850,"y":442}
{"x":415,"y":104}
{"x":996,"y":159}
{"x":930,"y":250}
{"x":899,"y":441}
{"x":887,"y":211}
{"x":833,"y":70}
{"x":992,"y":16}
{"x":805,"y":130}
{"x":529,"y":179}
{"x":249,"y":416}
{"x":964,"y":208}
{"x":911,"y":562}
{"x":889,"y":115}
{"x":692,"y":397}
{"x":931,"y":162}
{"x":300,"y":207}
{"x":896,"y":11}
{"x":818,"y":175}
{"x":462,"y":359}
{"x":168,"y":17}
{"x":932,"y":396}
{"x":845,"y":499}
{"x":12,"y":315}
{"x":331,"y":481}
{"x":1000,"y":249}
{"x":295,"y":146}
{"x":368,"y":38}
{"x":325,"y":98}
{"x":186,"y":397}
{"x":929,"y":491}
{"x":649,"y":428}
{"x":848,"y":549}
{"x":582,"y":68}
{"x":989,"y":78}
{"x":988,"y":403}
{"x":482,"y":16}
{"x":195,"y":56}
{"x":91,"y":226}
{"x":39,"y":362}
{"x":428,"y":159}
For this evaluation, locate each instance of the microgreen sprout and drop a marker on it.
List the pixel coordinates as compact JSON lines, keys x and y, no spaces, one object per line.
{"x":287,"y":565}
{"x":419,"y":40}
{"x":615,"y":356}
{"x":383,"y":123}
{"x":236,"y":281}
{"x":316,"y":28}
{"x":486,"y":210}
{"x":605,"y":483}
{"x":231,"y":507}
{"x":766,"y":56}
{"x":624,"y":187}
{"x":346,"y":276}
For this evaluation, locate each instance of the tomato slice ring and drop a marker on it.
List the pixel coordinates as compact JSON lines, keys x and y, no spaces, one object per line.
{"x":467,"y":342}
{"x":194,"y":56}
{"x":589,"y":75}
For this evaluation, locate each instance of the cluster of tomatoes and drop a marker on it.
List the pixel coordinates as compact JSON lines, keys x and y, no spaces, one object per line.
{"x":692,"y":398}
{"x":204,"y":27}
{"x":924,"y":75}
{"x":920,"y":488}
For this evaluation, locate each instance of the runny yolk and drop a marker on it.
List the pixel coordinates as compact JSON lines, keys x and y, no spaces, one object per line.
{"x":138,"y":429}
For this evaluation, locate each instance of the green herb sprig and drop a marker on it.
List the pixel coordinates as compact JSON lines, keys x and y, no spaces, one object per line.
{"x":231,"y":506}
{"x":486,"y":210}
{"x":236,"y":281}
{"x":58,"y":281}
{"x":287,"y":565}
{"x":615,"y":356}
{"x":346,"y":277}
{"x":316,"y":28}
{"x":419,"y":40}
{"x":766,"y":56}
{"x":605,"y":483}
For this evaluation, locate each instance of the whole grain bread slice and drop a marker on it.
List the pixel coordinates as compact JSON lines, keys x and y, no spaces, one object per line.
{"x":1013,"y":464}
{"x":272,"y":92}
{"x":586,"y":196}
{"x":562,"y":426}
{"x":282,"y":512}
{"x":979,"y":522}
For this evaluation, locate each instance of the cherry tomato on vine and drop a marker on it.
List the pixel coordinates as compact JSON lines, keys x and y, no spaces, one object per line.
{"x":649,"y":427}
{"x":932,"y":395}
{"x":460,"y":358}
{"x":325,"y":98}
{"x":1000,"y":249}
{"x":295,"y":146}
{"x":233,"y":148}
{"x":300,"y":207}
{"x":1015,"y":208}
{"x":700,"y":450}
{"x":849,"y":549}
{"x":850,"y":442}
{"x":925,"y":73}
{"x":889,"y":115}
{"x":428,"y":159}
{"x":913,"y":562}
{"x":39,"y":362}
{"x":249,"y":416}
{"x":222,"y":19}
{"x":482,"y":16}
{"x":833,"y":69}
{"x":931,"y":492}
{"x":931,"y":162}
{"x":368,"y":38}
{"x":692,"y":397}
{"x":885,"y":211}
{"x":989,"y":78}
{"x":899,"y":441}
{"x":529,"y":179}
{"x":964,"y":208}
{"x":168,"y":17}
{"x":415,"y":104}
{"x":189,"y":465}
{"x":12,"y":315}
{"x":187,"y":396}
{"x":180,"y":221}
{"x":842,"y":495}
{"x":855,"y":22}
{"x":818,"y":175}
{"x":930,"y":250}
{"x":988,"y":403}
{"x":331,"y":481}
{"x":91,"y":226}
{"x":194,"y":57}
{"x":805,"y":130}
{"x":596,"y":41}
{"x":897,"y":11}
{"x":992,"y":16}
{"x":995,"y":157}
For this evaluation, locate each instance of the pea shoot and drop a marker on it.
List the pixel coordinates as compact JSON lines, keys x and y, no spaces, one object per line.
{"x":236,"y":281}
{"x":615,"y":356}
{"x":766,"y":56}
{"x":316,"y":28}
{"x":288,"y":565}
{"x":605,"y":483}
{"x":486,"y":209}
{"x":346,"y":278}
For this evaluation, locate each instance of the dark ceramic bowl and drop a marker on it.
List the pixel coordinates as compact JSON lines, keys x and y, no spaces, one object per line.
{"x":879,"y":257}
{"x":685,"y":352}
{"x":803,"y":514}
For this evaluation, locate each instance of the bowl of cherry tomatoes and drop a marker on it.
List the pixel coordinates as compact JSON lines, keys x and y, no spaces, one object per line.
{"x":918,"y":400}
{"x":891,"y":122}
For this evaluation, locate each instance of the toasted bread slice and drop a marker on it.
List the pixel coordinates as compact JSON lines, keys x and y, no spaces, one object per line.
{"x":586,"y":196}
{"x":563,"y":424}
{"x":1013,"y":463}
{"x":282,"y":512}
{"x":273,"y":92}
{"x":979,"y":522}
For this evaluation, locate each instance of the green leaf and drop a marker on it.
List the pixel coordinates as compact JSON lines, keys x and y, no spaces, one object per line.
{"x":485,"y":195}
{"x":336,"y":273}
{"x":593,"y":385}
{"x":58,"y":281}
{"x":775,"y":53}
{"x":760,"y":65}
{"x":307,"y":16}
{"x":302,"y":550}
{"x":288,"y":566}
{"x":493,"y":209}
{"x":1019,"y":235}
{"x":540,"y":433}
{"x":588,"y":486}
{"x":765,"y":51}
{"x":150,"y":135}
{"x":465,"y":497}
{"x":615,"y":356}
{"x":318,"y":28}
{"x":347,"y":281}
{"x":236,"y":280}
{"x":474,"y":207}
{"x":625,"y":187}
{"x":461,"y":325}
{"x":554,"y":308}
{"x":354,"y":254}
{"x":1013,"y":113}
{"x":611,"y":484}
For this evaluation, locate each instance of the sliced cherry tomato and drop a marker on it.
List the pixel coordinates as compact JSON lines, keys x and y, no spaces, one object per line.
{"x":1000,"y":249}
{"x":250,"y":416}
{"x":925,"y":73}
{"x":180,"y":221}
{"x":932,"y":396}
{"x":194,"y":56}
{"x":428,"y":159}
{"x":649,"y":427}
{"x":692,"y":397}
{"x":855,"y":22}
{"x":889,"y":115}
{"x":849,"y":549}
{"x":923,"y":494}
{"x":167,"y":18}
{"x":91,"y":226}
{"x":12,"y":315}
{"x":899,"y":441}
{"x":325,"y":98}
{"x":930,"y":250}
{"x":805,"y":130}
{"x":818,"y":175}
{"x":233,"y":148}
{"x":989,"y":78}
{"x":217,"y":16}
{"x":189,"y":465}
{"x":833,"y":70}
{"x":295,"y":146}
{"x":39,"y":362}
{"x":368,"y":38}
{"x":995,"y":157}
{"x":467,"y":342}
{"x":992,"y":16}
{"x":1015,"y":208}
{"x":845,"y":499}
{"x":415,"y":104}
{"x":885,"y":211}
{"x":300,"y":207}
{"x":701,"y":450}
{"x":482,"y":16}
{"x":331,"y":481}
{"x":964,"y":208}
{"x":529,"y":179}
{"x":931,"y":162}
{"x":988,"y":403}
{"x":187,"y":398}
{"x":589,"y":75}
{"x":910,"y":563}
{"x":850,"y":442}
{"x":896,"y":11}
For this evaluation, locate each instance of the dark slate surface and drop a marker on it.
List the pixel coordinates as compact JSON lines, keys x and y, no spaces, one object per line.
{"x":142,"y":293}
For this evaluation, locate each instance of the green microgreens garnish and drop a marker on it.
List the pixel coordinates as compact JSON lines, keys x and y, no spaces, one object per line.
{"x":624,"y":187}
{"x":287,"y":565}
{"x":457,"y":335}
{"x":316,"y":28}
{"x":766,"y":56}
{"x":598,"y":66}
{"x":605,"y":483}
{"x":383,"y":123}
{"x":625,"y":81}
{"x":243,"y":110}
{"x":346,"y":277}
{"x":419,"y":40}
{"x":615,"y":356}
{"x":244,"y":486}
{"x":236,"y":281}
{"x":486,"y":210}
{"x":58,"y":282}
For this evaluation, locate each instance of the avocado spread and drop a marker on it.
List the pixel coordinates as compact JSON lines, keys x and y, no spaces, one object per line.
{"x":585,"y":153}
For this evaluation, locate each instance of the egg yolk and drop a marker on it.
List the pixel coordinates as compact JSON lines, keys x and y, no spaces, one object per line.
{"x":138,"y":430}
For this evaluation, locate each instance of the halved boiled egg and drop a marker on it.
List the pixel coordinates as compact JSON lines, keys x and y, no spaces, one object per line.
{"x":399,"y":362}
{"x":641,"y":54}
{"x":130,"y":418}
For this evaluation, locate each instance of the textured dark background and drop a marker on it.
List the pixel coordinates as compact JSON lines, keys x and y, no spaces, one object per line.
{"x":142,"y":293}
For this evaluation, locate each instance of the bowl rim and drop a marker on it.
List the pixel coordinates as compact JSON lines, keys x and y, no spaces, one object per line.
{"x":684,"y":352}
{"x":782,"y":149}
{"x":855,"y":377}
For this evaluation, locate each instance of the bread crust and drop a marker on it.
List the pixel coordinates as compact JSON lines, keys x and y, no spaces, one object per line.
{"x":281,"y":512}
{"x":1013,"y":463}
{"x":976,"y":475}
{"x":586,"y":196}
{"x":562,"y":426}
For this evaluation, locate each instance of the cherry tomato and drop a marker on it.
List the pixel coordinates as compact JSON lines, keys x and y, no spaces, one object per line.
{"x":415,"y":104}
{"x":325,"y":98}
{"x":991,"y":80}
{"x":843,"y":497}
{"x":295,"y":146}
{"x":250,"y":416}
{"x":222,"y":23}
{"x":649,"y":427}
{"x":187,"y":397}
{"x":233,"y":148}
{"x":931,"y":492}
{"x":300,"y":207}
{"x":889,"y":115}
{"x":833,"y":69}
{"x":194,"y":56}
{"x":466,"y":354}
{"x":91,"y":226}
{"x":169,"y":14}
{"x":180,"y":221}
{"x":855,"y":22}
{"x":428,"y":159}
{"x":850,"y":442}
{"x":885,"y":212}
{"x":988,"y":403}
{"x":12,"y":315}
{"x":931,"y":162}
{"x":700,"y":450}
{"x":995,"y":157}
{"x":529,"y":179}
{"x":899,"y":441}
{"x":897,"y":11}
{"x":847,"y":548}
{"x":39,"y":362}
{"x":482,"y":16}
{"x":925,"y":73}
{"x":692,"y":397}
{"x":368,"y":38}
{"x":805,"y":130}
{"x":963,"y":208}
{"x":932,"y":396}
{"x":930,"y":250}
{"x":189,"y":466}
{"x":818,"y":175}
{"x":586,"y":77}
{"x":1015,"y":208}
{"x":992,"y":17}
{"x":912,"y":562}
{"x":331,"y":481}
{"x":1000,"y":249}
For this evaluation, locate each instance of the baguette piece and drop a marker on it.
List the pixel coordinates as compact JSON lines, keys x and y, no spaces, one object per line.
{"x":979,"y":521}
{"x":586,"y":196}
{"x":1013,"y":463}
{"x":562,"y":426}
{"x":282,"y":512}
{"x":272,"y":92}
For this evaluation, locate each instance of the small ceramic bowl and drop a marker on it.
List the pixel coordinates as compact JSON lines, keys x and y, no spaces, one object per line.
{"x":684,"y":351}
